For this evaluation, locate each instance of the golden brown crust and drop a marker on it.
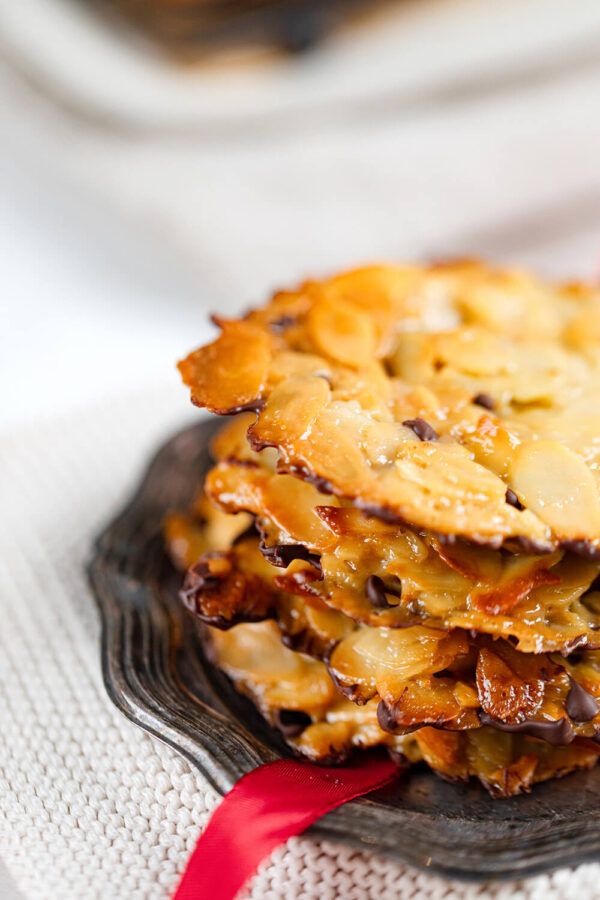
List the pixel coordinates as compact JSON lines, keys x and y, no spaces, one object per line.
{"x":422,"y":675}
{"x":416,"y":452}
{"x":367,"y":351}
{"x":329,"y":728}
{"x":229,"y":375}
{"x":538,"y":600}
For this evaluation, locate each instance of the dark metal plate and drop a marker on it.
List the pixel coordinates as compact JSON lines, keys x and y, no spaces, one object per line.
{"x":155,"y":672}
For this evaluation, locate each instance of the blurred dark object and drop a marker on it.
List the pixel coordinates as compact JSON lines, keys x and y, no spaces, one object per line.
{"x":192,"y":26}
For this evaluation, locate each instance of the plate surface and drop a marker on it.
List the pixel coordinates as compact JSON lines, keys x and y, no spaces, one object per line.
{"x":155,"y":672}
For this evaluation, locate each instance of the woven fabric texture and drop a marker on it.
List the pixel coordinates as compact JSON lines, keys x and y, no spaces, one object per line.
{"x":91,"y":806}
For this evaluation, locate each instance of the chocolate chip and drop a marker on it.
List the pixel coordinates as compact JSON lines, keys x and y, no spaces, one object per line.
{"x":422,"y":429}
{"x":580,"y":705}
{"x":376,"y":591}
{"x":484,"y":400}
{"x":292,"y":722}
{"x":513,"y":500}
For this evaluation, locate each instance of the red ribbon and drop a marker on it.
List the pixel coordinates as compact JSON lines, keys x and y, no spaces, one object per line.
{"x":265,"y":808}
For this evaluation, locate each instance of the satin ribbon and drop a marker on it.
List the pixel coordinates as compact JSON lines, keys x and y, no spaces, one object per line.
{"x":265,"y":808}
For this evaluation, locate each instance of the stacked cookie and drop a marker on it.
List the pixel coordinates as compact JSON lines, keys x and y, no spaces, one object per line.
{"x":399,"y":543}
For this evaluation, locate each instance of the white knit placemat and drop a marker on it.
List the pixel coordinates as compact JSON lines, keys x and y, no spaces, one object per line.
{"x":91,"y":806}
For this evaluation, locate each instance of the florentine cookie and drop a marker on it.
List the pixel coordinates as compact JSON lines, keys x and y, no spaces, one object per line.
{"x":399,"y":543}
{"x":380,"y":573}
{"x":454,"y":679}
{"x":441,"y":397}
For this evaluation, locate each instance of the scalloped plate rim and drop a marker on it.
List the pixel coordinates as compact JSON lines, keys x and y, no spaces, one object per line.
{"x":334,"y":826}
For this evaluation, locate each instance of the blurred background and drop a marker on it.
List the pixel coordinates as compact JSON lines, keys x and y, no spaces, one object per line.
{"x":162,"y":159}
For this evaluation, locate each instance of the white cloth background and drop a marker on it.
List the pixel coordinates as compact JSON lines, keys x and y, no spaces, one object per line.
{"x":115,"y":247}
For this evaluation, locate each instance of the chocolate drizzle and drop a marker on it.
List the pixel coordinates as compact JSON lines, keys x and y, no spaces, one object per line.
{"x":322,"y":484}
{"x":254,"y":405}
{"x":350,"y":691}
{"x":530,"y":545}
{"x":376,"y":591}
{"x":558,"y":732}
{"x":422,"y":429}
{"x":580,"y":705}
{"x":281,"y":555}
{"x":378,"y":512}
{"x":583,"y":548}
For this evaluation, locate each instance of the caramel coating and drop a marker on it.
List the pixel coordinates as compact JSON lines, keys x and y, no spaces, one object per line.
{"x":454,"y":680}
{"x":279,"y":679}
{"x":544,"y":602}
{"x":399,"y":543}
{"x":375,"y":348}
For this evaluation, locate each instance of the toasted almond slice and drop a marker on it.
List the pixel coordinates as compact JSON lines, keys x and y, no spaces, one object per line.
{"x":441,"y":488}
{"x":380,"y":660}
{"x":326,"y":456}
{"x":556,"y":484}
{"x":231,"y":441}
{"x":288,"y":679}
{"x":293,"y":364}
{"x":474,"y":351}
{"x":492,"y":444}
{"x":452,"y":333}
{"x":230,"y":373}
{"x":342,"y":332}
{"x":519,"y":577}
{"x":289,"y":503}
{"x":584,"y":328}
{"x":506,"y":693}
{"x":429,"y":701}
{"x":292,"y":408}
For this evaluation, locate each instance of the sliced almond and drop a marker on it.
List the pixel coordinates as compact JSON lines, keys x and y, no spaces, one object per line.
{"x":291,"y":409}
{"x":231,"y":372}
{"x":342,"y":332}
{"x":555,"y":483}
